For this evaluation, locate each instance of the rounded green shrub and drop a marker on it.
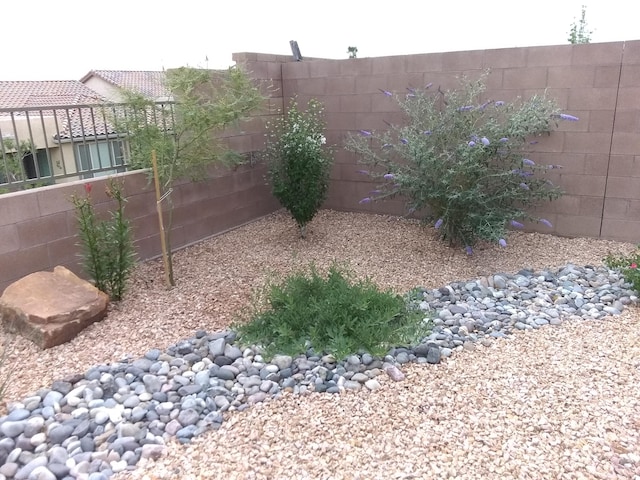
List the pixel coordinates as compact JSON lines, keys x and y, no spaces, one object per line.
{"x":335,"y":314}
{"x":299,"y":161}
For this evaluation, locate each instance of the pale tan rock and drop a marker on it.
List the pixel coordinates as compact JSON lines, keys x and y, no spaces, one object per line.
{"x":51,"y":308}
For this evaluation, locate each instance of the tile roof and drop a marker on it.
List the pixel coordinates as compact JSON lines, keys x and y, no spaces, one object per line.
{"x":83,"y":116}
{"x":45,"y":93}
{"x":151,"y":84}
{"x":73,"y":122}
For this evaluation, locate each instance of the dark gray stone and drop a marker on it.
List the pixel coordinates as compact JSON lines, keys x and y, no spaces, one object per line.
{"x":24,"y":472}
{"x":434,"y":355}
{"x":188,"y":417}
{"x":60,"y":470}
{"x":216,"y":347}
{"x":18,"y":414}
{"x":12,"y":429}
{"x":59,"y":434}
{"x":189,"y":390}
{"x":223,"y":360}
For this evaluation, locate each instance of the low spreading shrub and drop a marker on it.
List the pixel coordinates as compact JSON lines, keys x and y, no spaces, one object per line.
{"x":627,"y":265}
{"x":334,"y":314}
{"x":463,"y":160}
{"x":299,"y":161}
{"x":107,"y":246}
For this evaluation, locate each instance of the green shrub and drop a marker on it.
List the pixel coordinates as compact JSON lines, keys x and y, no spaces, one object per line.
{"x":107,"y":246}
{"x":627,"y":265}
{"x":299,"y":162}
{"x":334,"y":314}
{"x":462,"y":159}
{"x":6,"y":369}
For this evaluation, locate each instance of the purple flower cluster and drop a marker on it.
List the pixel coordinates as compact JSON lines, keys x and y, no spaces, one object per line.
{"x":526,"y":161}
{"x":522,"y":173}
{"x":502,"y":242}
{"x":365,"y":133}
{"x":386,"y":92}
{"x":466,"y":108}
{"x":469,"y":250}
{"x":546,"y":222}
{"x":438,"y":224}
{"x":524,"y":186}
{"x":389,"y":176}
{"x":516,"y":224}
{"x":365,"y":200}
{"x":571,"y":118}
{"x":485,"y":141}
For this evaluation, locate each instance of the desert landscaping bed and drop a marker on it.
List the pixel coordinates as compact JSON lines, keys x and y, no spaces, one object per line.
{"x":559,"y":402}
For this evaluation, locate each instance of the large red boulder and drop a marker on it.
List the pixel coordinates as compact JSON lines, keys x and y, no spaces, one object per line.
{"x":51,"y":308}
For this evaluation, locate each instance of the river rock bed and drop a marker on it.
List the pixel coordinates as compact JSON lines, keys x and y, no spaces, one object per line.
{"x":92,"y":425}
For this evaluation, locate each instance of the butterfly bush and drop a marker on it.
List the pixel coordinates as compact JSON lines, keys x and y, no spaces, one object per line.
{"x":299,"y":161}
{"x":462,"y":160}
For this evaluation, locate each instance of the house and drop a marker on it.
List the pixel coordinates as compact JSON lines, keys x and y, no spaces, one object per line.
{"x":110,"y":83}
{"x":65,"y":130}
{"x":46,"y":128}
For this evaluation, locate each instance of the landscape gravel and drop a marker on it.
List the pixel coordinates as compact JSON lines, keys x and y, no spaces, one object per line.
{"x":549,"y":353}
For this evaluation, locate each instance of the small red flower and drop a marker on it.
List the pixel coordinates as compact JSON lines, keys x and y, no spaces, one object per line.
{"x":87,"y":188}
{"x":634,"y":265}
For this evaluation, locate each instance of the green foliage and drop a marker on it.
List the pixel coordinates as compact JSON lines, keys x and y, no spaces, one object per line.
{"x":353,"y":52}
{"x":185,"y":134}
{"x":13,"y":153}
{"x":334,"y":314}
{"x":463,"y":160}
{"x":108,"y":252}
{"x":578,"y":33}
{"x":299,"y":164}
{"x":5,"y":367}
{"x":627,"y":265}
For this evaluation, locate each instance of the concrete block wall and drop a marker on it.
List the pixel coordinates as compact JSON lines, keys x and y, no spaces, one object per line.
{"x":600,"y":154}
{"x":621,"y":219}
{"x":599,"y":83}
{"x":38,"y":228}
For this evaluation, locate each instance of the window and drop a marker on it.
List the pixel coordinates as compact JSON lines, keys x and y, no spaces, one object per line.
{"x":36,"y":166}
{"x":100,"y":158}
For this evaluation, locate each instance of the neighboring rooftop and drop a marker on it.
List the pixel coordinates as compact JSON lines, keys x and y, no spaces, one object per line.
{"x":46,"y":93}
{"x":151,"y":84}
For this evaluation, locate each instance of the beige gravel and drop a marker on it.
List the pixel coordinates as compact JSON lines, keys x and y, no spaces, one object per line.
{"x":560,"y":402}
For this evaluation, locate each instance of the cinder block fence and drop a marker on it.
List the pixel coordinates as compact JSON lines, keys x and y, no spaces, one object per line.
{"x":599,"y":83}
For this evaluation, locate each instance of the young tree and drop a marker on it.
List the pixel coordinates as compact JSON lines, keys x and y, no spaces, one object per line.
{"x":578,"y":33}
{"x":183,"y":134}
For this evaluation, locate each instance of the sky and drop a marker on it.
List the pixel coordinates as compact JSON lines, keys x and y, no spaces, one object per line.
{"x":49,"y":40}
